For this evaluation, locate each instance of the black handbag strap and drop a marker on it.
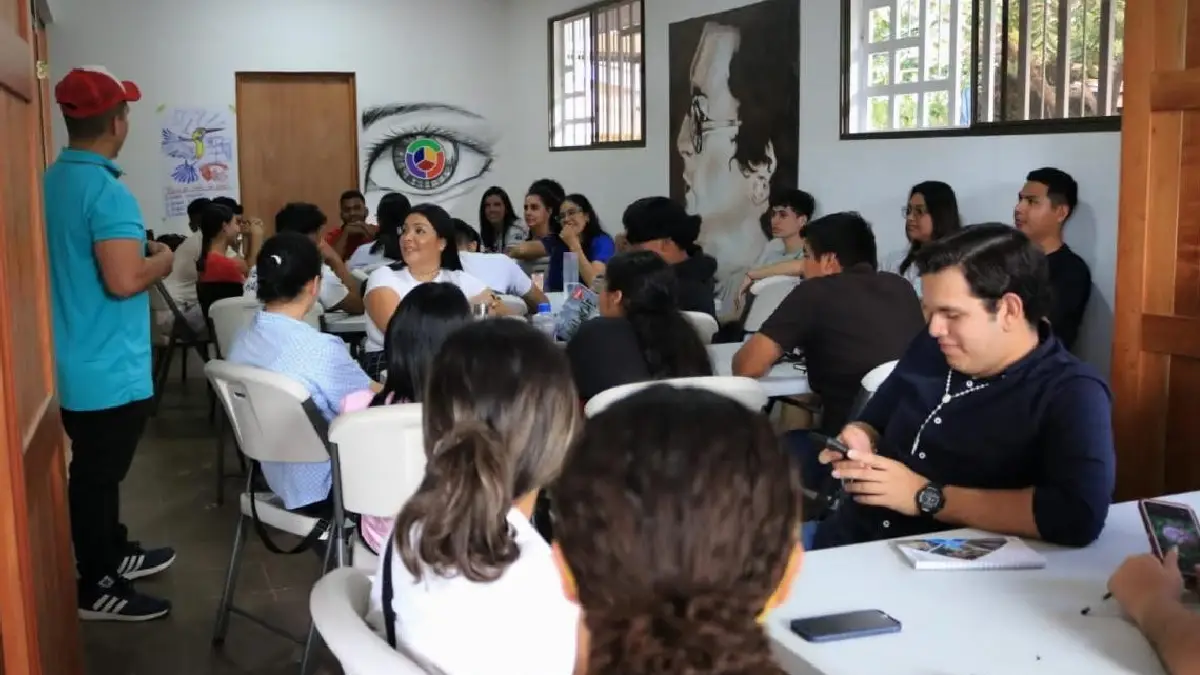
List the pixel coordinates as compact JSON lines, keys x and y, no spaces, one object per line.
{"x":389,"y":612}
{"x":309,"y":540}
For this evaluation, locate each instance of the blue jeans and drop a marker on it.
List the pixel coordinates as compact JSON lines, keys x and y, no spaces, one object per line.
{"x":808,"y":532}
{"x":814,"y":474}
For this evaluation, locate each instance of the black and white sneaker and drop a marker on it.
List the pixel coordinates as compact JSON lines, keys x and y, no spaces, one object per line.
{"x":139,"y":562}
{"x":116,"y":600}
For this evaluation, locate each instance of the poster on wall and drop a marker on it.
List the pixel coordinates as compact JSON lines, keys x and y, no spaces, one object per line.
{"x":735,"y":118}
{"x":197,"y":150}
{"x":426,"y":150}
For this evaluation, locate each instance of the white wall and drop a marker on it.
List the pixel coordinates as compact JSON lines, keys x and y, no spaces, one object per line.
{"x":183,"y":53}
{"x":870,"y":176}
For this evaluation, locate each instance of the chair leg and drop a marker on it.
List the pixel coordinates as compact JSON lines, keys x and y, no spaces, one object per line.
{"x":220,"y":460}
{"x":212,"y":405}
{"x":161,"y":383}
{"x":223,"y":610}
{"x":311,"y":640}
{"x":183,"y":367}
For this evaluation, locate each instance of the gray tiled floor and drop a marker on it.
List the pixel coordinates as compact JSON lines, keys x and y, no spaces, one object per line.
{"x":168,"y":499}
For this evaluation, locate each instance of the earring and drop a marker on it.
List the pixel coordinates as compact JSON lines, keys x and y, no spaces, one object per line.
{"x":759,"y":190}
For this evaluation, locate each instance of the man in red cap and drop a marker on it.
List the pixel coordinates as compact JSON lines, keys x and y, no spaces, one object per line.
{"x":101,"y":266}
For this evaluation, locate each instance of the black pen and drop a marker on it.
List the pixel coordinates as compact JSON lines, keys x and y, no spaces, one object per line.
{"x":1087,"y":610}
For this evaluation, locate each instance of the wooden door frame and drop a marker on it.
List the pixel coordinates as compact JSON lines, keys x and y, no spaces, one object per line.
{"x":241,"y":75}
{"x":21,"y":615}
{"x":1146,"y":329}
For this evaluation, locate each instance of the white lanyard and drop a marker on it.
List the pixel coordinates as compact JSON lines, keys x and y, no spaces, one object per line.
{"x":946,"y":398}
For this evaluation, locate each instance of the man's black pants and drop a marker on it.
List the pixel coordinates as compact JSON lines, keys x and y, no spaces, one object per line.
{"x":102,"y":447}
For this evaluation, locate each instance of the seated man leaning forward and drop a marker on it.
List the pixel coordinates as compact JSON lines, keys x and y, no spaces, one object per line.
{"x":988,"y":421}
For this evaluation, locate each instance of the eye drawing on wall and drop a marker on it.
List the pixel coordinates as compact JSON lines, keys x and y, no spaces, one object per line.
{"x":735,"y":116}
{"x":431,"y":152}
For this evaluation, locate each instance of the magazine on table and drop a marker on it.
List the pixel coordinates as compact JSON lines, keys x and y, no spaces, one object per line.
{"x":976,"y":553}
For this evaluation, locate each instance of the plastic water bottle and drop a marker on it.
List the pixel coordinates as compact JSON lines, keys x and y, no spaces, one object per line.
{"x":544,"y":319}
{"x":570,"y":270}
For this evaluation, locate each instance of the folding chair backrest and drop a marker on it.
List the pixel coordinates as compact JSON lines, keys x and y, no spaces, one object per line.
{"x":706,"y":326}
{"x":228,"y":317}
{"x":766,"y":301}
{"x":339,"y":604}
{"x":744,"y":390}
{"x":272,"y":415}
{"x":381,"y":452}
{"x":208,"y":292}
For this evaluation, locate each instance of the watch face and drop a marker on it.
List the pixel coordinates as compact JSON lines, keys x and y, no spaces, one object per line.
{"x":929,"y":499}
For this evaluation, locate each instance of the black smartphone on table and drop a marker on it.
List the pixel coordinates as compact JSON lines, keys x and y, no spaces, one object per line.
{"x":1172,"y":525}
{"x":845,"y":626}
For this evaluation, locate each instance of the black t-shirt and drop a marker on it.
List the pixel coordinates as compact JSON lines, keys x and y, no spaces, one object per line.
{"x":605,"y":354}
{"x":1072,"y":283}
{"x":695,"y":285}
{"x":846,"y":324}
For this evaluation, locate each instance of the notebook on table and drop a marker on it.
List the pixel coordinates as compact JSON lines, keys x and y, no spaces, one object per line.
{"x":977,"y":553}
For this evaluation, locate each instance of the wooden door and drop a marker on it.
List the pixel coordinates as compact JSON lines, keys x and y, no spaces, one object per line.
{"x":297,"y":141}
{"x":1156,"y":342}
{"x":39,"y":631}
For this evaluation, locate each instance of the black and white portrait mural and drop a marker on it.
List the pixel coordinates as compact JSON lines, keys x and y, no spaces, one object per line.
{"x":431,"y":152}
{"x":735,"y":117}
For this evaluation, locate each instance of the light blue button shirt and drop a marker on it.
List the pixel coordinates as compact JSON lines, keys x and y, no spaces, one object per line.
{"x":101,"y":342}
{"x":323,"y":365}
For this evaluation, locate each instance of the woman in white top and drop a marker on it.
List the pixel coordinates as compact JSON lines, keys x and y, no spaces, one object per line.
{"x":466,"y":586}
{"x":930,"y":214}
{"x":429,"y":252}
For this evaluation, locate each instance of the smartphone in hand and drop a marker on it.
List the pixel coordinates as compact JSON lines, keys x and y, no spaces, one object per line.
{"x":830,"y":443}
{"x":1172,"y":525}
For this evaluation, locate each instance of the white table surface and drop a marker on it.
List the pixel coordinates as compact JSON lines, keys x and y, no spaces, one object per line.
{"x":782,"y":380}
{"x":973,"y":622}
{"x":340,"y":322}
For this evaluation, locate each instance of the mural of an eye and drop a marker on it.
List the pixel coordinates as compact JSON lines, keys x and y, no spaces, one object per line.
{"x":432,"y":152}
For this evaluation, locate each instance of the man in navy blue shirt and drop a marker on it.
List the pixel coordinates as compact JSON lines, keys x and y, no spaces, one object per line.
{"x":987,"y":421}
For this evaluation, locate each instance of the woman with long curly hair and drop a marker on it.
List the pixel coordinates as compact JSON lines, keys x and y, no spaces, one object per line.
{"x":677,"y":518}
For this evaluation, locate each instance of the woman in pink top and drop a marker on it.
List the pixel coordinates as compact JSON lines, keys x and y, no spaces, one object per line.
{"x":424,"y":318}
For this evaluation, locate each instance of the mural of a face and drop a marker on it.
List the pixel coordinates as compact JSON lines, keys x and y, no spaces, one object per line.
{"x":730,"y":112}
{"x":431,"y":152}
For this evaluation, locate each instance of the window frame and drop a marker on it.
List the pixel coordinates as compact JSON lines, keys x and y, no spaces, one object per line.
{"x":592,"y":10}
{"x":1072,"y":125}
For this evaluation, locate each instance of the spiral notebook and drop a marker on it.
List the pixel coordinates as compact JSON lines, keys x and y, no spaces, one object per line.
{"x":984,"y":553}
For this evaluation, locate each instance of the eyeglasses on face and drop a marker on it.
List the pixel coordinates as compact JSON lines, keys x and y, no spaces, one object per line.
{"x":702,"y":124}
{"x":568,"y":213}
{"x":914,"y":211}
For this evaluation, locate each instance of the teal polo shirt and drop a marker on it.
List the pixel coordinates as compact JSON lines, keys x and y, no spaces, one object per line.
{"x":101,"y":342}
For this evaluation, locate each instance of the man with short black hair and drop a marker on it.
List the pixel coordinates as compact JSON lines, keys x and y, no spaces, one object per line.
{"x":987,"y":421}
{"x":340,"y":291}
{"x":355,"y":230}
{"x":1047,"y":200}
{"x":846,"y":318}
{"x":101,"y":266}
{"x":497,"y":270}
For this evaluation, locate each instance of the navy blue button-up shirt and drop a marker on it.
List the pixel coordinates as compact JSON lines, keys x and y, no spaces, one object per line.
{"x":1045,"y":422}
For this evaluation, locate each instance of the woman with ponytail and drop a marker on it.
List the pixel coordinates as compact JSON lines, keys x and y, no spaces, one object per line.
{"x":639,"y":335}
{"x":676,"y":522}
{"x":467,"y":586}
{"x":219,"y":231}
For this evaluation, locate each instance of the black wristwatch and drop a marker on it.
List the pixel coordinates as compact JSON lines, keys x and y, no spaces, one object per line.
{"x":930,"y":499}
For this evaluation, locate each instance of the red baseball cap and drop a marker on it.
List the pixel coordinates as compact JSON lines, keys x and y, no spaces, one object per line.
{"x":88,"y":91}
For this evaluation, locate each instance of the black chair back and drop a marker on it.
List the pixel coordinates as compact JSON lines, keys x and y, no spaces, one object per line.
{"x":209,"y":292}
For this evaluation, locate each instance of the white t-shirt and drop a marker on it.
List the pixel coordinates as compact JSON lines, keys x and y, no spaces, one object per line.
{"x":519,"y":624}
{"x":332,"y":292}
{"x":401,"y":282}
{"x":362,"y":257}
{"x":892,"y":264}
{"x":500,"y":272}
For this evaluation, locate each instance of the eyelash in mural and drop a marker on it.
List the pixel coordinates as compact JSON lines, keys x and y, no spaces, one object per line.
{"x":444,"y":161}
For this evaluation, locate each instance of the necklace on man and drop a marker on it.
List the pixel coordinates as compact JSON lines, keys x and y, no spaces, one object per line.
{"x":946,"y":398}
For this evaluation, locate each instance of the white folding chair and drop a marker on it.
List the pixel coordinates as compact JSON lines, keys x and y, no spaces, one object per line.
{"x":339,"y":605}
{"x":227,"y":318}
{"x":768,"y":298}
{"x":381,"y":453}
{"x":274,"y":419}
{"x":360,"y":274}
{"x":744,"y":390}
{"x":706,"y":326}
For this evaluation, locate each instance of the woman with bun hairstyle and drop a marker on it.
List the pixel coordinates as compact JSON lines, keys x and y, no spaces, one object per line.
{"x":640,"y":334}
{"x":676,"y":522}
{"x":390,"y":214}
{"x":280,"y":340}
{"x":663,"y":226}
{"x":466,"y":585}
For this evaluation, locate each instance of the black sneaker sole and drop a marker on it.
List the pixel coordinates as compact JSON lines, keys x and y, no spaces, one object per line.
{"x":148,"y":571}
{"x":89,"y":615}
